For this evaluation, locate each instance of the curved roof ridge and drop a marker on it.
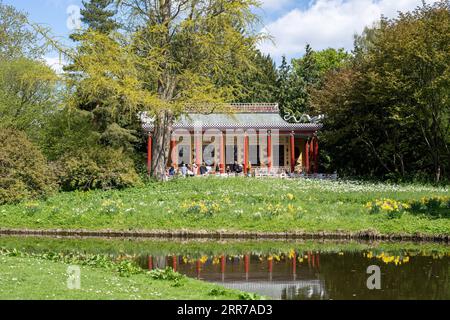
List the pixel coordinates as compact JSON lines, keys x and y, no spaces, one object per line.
{"x":256,"y":107}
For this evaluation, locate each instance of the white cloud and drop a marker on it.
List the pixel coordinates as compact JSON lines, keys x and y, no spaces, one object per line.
{"x":56,"y":64}
{"x":328,"y":23}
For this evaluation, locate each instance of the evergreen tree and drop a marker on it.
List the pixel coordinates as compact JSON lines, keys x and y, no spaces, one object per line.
{"x":259,"y":81}
{"x":98,"y":17}
{"x":291,"y":91}
{"x":312,"y":68}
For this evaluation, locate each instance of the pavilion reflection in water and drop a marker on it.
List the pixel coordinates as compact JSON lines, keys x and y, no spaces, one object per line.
{"x":286,"y":277}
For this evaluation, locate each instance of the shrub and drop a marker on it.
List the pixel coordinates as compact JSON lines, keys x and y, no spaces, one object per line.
{"x":24,"y":172}
{"x":166,"y":274}
{"x":97,"y":168}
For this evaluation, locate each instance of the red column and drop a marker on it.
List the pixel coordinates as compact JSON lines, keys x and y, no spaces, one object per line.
{"x":149,"y":154}
{"x":245,"y":154}
{"x":307,"y":156}
{"x":150,"y":263}
{"x":269,"y":150}
{"x":311,"y":153}
{"x":222,"y":267}
{"x":316,"y":155}
{"x":174,"y":152}
{"x":294,"y":264}
{"x":222,"y":154}
{"x":174,"y":263}
{"x":247,"y":265}
{"x":292,"y":152}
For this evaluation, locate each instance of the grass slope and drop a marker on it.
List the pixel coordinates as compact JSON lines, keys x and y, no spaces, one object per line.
{"x":38,"y":279}
{"x":235,"y":205}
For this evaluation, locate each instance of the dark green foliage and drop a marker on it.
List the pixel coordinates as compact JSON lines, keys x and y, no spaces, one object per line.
{"x":388,"y":112}
{"x":166,"y":274}
{"x":97,"y":15}
{"x":216,"y":292}
{"x":82,"y":161}
{"x":291,"y":90}
{"x":296,"y":81}
{"x":259,"y":81}
{"x":24,"y":172}
{"x":96,"y":167}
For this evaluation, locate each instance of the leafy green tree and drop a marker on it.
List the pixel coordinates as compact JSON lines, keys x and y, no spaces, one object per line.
{"x":24,"y":172}
{"x":313,"y":67}
{"x":259,"y":80}
{"x":397,"y":93}
{"x":178,"y":55}
{"x":27,"y":94}
{"x":291,"y":91}
{"x":17,"y":38}
{"x":98,"y":15}
{"x":295,"y":81}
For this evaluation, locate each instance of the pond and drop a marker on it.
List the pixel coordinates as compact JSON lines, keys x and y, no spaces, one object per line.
{"x":282,"y":270}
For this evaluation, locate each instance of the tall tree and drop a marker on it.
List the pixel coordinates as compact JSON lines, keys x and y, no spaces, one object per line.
{"x":27,"y":85}
{"x":99,"y":16}
{"x":27,"y":94}
{"x":291,"y":91}
{"x":313,"y":67}
{"x":177,"y":55}
{"x":17,"y":39}
{"x":259,"y":80}
{"x":397,"y":92}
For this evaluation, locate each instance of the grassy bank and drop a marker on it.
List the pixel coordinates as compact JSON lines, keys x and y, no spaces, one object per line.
{"x":44,"y":277}
{"x":243,"y":205}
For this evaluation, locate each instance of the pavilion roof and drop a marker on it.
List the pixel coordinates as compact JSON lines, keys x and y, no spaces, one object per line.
{"x":242,"y":116}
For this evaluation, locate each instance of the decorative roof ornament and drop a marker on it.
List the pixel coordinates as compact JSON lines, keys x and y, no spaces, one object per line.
{"x":304,"y":118}
{"x":145,"y":118}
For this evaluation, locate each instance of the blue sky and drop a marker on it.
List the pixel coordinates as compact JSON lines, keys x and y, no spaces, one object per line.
{"x":291,"y":23}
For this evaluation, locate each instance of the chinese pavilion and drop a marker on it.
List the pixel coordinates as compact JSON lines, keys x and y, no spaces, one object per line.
{"x":254,"y":135}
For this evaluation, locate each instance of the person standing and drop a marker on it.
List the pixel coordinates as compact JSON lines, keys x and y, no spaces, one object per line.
{"x":184,"y":169}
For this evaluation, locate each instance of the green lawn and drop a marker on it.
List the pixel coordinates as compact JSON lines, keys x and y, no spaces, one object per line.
{"x":34,"y":278}
{"x":238,"y":204}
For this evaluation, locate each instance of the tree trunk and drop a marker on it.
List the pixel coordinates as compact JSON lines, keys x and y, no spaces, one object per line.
{"x":160,"y":147}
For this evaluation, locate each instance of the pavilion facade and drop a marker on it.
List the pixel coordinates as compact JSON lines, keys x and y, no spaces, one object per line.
{"x":253,"y":135}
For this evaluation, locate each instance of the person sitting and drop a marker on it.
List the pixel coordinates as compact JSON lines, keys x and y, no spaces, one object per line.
{"x":194,"y":169}
{"x":203,"y":170}
{"x":237,"y":168}
{"x":171,"y":171}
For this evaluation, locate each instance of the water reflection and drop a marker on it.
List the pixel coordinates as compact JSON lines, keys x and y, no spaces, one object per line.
{"x":318,"y":275}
